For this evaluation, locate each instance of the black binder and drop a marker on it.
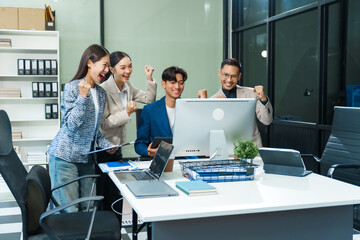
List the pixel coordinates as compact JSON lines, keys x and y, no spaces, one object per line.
{"x":35,"y":89}
{"x":48,"y":92}
{"x":47,"y":67}
{"x":41,"y":89}
{"x":48,"y":113}
{"x":34,"y":68}
{"x":27,"y":67}
{"x":53,"y":67}
{"x":41,"y":69}
{"x":54,"y":89}
{"x":54,"y":111}
{"x":21,"y":67}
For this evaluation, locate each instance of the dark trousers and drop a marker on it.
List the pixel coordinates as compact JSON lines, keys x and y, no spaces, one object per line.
{"x":106,"y":187}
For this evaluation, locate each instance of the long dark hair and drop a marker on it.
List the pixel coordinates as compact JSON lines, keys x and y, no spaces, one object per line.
{"x":115,"y":57}
{"x":94,"y":53}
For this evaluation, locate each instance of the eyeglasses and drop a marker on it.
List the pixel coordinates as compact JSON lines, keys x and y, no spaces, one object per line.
{"x":226,"y":76}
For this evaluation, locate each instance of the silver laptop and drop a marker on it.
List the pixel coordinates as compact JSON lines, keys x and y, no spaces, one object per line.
{"x":283,"y":161}
{"x":157,"y":166}
{"x":145,"y":189}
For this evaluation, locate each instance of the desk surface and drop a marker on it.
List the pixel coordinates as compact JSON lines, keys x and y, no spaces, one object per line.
{"x":267,"y":193}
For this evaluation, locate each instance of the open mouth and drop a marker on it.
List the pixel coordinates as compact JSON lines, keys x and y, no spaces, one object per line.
{"x":126,"y":77}
{"x":101,"y":76}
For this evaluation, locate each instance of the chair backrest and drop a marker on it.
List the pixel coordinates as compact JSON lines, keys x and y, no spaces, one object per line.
{"x":343,"y":146}
{"x":31,"y":191}
{"x":138,"y":115}
{"x":11,"y":167}
{"x":38,"y":191}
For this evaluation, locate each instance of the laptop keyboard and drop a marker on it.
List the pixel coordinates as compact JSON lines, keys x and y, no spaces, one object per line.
{"x":141,"y":176}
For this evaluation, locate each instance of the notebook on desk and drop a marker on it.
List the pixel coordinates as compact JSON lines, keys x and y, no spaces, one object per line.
{"x":154,"y":172}
{"x":283,"y":161}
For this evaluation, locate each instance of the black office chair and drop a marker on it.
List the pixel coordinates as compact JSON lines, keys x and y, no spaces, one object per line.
{"x":32,"y":192}
{"x":341,"y":156}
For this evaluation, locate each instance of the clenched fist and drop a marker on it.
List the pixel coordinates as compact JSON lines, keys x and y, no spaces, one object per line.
{"x":84,"y":88}
{"x":259,"y":92}
{"x":131,"y":107}
{"x":202,"y":93}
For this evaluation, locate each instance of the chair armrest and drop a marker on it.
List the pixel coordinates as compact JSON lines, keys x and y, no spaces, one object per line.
{"x":94,"y":176}
{"x":311,"y":162}
{"x":63,"y":207}
{"x":76,"y":179}
{"x":335,"y":166}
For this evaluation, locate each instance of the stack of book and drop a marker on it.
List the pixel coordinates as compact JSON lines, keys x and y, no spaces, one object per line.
{"x":195,"y":188}
{"x":16,"y":134}
{"x":34,"y":158}
{"x":5,"y":42}
{"x":10,"y":92}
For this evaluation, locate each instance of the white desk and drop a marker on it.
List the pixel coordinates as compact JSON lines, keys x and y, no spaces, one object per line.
{"x":269,"y":207}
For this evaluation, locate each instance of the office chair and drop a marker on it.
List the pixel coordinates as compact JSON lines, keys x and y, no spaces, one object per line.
{"x":32,"y":192}
{"x":341,"y":156}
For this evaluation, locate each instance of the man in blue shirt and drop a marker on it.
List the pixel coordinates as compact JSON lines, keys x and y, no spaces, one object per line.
{"x":157,"y":118}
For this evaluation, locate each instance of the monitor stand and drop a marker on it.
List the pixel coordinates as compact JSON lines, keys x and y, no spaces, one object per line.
{"x":218,"y":145}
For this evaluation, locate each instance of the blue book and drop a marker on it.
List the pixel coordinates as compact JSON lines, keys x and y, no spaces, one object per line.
{"x":118,"y":164}
{"x":192,"y":188}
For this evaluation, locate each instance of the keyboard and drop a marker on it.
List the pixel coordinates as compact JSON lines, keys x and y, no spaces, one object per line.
{"x":141,"y":176}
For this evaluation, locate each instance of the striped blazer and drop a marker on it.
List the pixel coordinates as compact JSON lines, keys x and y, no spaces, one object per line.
{"x":78,"y":128}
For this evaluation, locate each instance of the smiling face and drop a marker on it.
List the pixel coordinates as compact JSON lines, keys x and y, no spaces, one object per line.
{"x":122,"y":70}
{"x":97,"y":70}
{"x":173,"y":89}
{"x":229,"y":76}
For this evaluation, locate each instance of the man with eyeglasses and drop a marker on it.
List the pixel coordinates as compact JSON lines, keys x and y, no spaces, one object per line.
{"x":230,"y":74}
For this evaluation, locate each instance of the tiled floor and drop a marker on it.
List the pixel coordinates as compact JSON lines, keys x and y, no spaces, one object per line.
{"x":10,"y":218}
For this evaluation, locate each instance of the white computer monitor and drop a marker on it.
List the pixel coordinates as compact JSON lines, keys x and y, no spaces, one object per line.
{"x":209,"y":126}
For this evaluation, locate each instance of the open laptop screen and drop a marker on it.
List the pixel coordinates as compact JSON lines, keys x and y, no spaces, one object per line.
{"x":161,"y":157}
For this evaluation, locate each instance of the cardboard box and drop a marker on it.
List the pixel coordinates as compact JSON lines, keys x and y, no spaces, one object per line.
{"x":9,"y":18}
{"x":31,"y":19}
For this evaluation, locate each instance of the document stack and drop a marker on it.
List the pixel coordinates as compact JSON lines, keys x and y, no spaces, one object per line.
{"x":195,"y":188}
{"x":218,"y":170}
{"x":36,"y":158}
{"x":10,"y":92}
{"x":16,"y":134}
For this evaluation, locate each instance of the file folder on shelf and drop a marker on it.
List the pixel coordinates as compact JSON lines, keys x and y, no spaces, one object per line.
{"x":54,"y":114}
{"x":41,"y":89}
{"x":47,"y":67}
{"x":34,"y":68}
{"x":21,"y":67}
{"x":27,"y":67}
{"x":35,"y":90}
{"x":53,"y":67}
{"x":41,"y":67}
{"x":48,"y":92}
{"x":48,"y":111}
{"x":54,"y":89}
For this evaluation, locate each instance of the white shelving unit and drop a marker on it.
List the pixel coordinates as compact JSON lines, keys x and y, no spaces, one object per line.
{"x":27,"y":113}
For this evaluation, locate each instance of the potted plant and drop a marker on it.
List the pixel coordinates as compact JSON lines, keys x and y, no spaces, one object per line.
{"x":245,"y":149}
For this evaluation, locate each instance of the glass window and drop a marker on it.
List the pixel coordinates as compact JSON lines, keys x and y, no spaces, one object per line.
{"x":296,"y":83}
{"x":334,"y":63}
{"x":286,"y":5}
{"x":353,"y":54}
{"x":250,"y":11}
{"x":254,"y":58}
